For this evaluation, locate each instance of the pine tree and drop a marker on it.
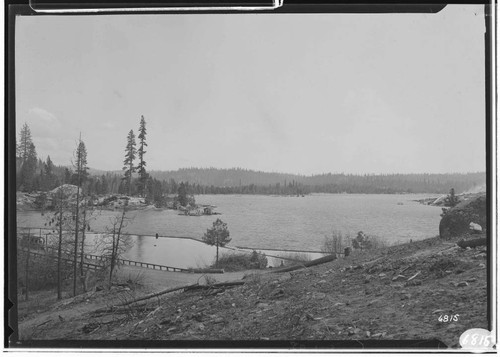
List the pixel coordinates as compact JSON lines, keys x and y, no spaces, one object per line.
{"x":28,"y":169}
{"x":182,"y":195}
{"x":104,"y":185}
{"x":23,"y":148}
{"x":48,"y":175}
{"x":81,"y":171}
{"x":130,"y":155}
{"x":67,"y":175}
{"x":141,"y":168}
{"x":49,"y":167}
{"x":26,"y":153}
{"x":218,"y":235}
{"x":62,"y":217}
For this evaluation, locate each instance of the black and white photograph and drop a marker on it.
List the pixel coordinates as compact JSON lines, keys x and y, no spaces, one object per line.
{"x":275,"y":179}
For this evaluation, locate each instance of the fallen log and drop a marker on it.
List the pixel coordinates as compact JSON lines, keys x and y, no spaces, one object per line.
{"x":122,"y":308}
{"x":311,"y":263}
{"x":43,"y":323}
{"x":119,"y":307}
{"x":472,"y":243}
{"x":207,"y":271}
{"x":147,"y":297}
{"x":216,"y":285}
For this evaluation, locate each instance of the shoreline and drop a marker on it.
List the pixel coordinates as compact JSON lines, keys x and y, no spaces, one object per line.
{"x":230,"y":247}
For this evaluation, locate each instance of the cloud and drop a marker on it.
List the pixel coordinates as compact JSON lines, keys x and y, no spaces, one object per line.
{"x":45,"y":115}
{"x":43,"y":123}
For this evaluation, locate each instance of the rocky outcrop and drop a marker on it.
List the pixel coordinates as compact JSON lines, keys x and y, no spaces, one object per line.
{"x":457,"y":220}
{"x":46,"y":200}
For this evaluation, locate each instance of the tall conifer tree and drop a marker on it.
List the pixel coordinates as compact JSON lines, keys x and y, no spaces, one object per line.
{"x":26,"y":152}
{"x":28,"y":169}
{"x":128,"y":163}
{"x":141,"y":168}
{"x":23,"y":147}
{"x":80,"y":165}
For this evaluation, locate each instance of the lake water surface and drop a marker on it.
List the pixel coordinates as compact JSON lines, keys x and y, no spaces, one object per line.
{"x":267,"y":222}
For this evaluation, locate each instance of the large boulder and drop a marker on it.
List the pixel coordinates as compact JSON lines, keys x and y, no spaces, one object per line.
{"x":456,"y":220}
{"x":66,"y":189}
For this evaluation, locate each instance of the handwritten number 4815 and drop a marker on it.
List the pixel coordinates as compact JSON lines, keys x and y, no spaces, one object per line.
{"x":448,"y":318}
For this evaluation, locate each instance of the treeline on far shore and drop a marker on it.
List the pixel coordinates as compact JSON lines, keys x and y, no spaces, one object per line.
{"x":35,"y":174}
{"x":237,"y":181}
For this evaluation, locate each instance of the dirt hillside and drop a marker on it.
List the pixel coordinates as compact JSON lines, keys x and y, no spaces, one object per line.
{"x":395,"y":293}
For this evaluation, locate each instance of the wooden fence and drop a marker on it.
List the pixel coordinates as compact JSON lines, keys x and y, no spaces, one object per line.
{"x":101,"y":259}
{"x":85,"y":264}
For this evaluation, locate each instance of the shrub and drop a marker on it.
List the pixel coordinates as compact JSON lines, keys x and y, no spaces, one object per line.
{"x":335,"y":243}
{"x":258,"y":260}
{"x":241,"y":261}
{"x":451,"y":200}
{"x":363,"y":241}
{"x":293,"y":258}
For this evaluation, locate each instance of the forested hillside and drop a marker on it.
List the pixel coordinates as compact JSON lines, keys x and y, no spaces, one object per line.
{"x":239,"y":180}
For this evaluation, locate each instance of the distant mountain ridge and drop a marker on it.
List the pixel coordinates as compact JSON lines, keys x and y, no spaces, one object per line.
{"x":340,"y":182}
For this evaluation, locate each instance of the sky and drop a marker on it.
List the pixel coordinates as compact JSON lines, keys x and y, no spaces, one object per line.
{"x":294,"y":93}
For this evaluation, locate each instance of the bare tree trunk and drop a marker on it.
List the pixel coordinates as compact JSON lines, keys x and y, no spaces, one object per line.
{"x":112,"y":264}
{"x":116,"y":244}
{"x":118,"y":240}
{"x":217,"y":253}
{"x":28,"y":266}
{"x":59,"y":250}
{"x":82,"y":273}
{"x":130,"y":178}
{"x":75,"y":257}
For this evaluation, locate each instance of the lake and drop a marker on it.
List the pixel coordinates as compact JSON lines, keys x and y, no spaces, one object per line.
{"x":267,"y":222}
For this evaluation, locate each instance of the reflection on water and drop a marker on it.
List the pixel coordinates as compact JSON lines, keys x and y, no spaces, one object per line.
{"x":140,"y":248}
{"x":180,"y":252}
{"x":190,"y":253}
{"x":174,"y":252}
